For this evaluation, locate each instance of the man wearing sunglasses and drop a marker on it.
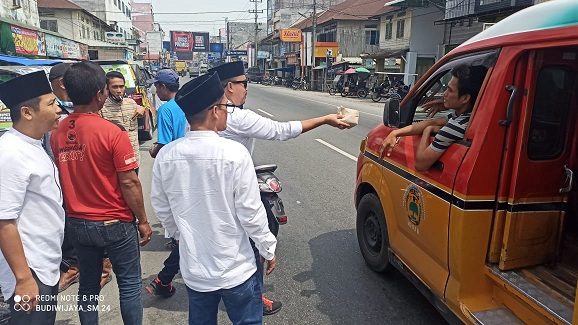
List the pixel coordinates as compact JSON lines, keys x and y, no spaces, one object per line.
{"x":245,"y":126}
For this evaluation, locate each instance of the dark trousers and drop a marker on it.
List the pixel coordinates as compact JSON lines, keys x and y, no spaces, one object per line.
{"x":45,"y":311}
{"x":168,"y":273}
{"x":68,"y":251}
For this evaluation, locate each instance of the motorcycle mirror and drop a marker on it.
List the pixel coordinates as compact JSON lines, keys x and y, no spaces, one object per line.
{"x":391,"y":113}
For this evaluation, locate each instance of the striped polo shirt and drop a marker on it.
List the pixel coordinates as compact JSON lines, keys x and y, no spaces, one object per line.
{"x":453,"y":131}
{"x":121,"y":114}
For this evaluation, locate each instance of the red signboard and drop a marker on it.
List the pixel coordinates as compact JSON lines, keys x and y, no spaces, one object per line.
{"x":182,"y":41}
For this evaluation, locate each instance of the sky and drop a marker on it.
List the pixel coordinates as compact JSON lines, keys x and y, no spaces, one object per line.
{"x":203,"y":15}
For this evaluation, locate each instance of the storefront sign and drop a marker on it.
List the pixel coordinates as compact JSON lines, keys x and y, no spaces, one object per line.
{"x":291,"y":35}
{"x":322,"y":47}
{"x":64,"y":48}
{"x":28,"y":42}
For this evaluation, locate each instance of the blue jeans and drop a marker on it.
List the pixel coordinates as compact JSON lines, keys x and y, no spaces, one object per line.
{"x":120,"y":240}
{"x":243,"y":304}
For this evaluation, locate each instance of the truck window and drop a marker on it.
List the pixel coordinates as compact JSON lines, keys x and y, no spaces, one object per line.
{"x":436,"y":84}
{"x":552,"y":101}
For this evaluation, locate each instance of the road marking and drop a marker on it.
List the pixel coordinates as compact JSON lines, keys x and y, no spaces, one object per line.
{"x":337,"y":149}
{"x":324,"y":103}
{"x":262,"y":111}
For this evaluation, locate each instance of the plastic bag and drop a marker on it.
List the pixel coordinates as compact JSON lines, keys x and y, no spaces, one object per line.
{"x":350,"y":116}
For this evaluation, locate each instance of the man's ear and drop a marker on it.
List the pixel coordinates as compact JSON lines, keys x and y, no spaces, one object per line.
{"x":61,"y":83}
{"x":465,"y":99}
{"x":26,"y":113}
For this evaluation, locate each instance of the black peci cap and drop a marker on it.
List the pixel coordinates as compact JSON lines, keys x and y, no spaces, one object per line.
{"x":229,"y":70}
{"x":23,"y":88}
{"x":199,"y":94}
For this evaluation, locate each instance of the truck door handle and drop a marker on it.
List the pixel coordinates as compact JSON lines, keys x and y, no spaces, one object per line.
{"x":569,"y":180}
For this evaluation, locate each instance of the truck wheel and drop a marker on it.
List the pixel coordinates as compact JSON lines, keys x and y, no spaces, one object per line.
{"x":372,"y":233}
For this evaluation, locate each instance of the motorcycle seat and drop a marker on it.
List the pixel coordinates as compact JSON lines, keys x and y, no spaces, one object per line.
{"x":265,"y":168}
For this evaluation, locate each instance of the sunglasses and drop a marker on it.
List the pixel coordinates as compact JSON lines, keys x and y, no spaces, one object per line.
{"x":230,"y":107}
{"x":243,"y":82}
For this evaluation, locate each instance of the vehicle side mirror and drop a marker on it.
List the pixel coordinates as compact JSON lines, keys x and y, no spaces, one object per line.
{"x":391,"y":113}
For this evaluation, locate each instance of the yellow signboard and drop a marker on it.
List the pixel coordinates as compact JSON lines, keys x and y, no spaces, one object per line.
{"x":291,"y":35}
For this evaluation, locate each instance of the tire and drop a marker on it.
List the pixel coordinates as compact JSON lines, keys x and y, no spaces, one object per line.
{"x":305,"y":87}
{"x":376,"y":97}
{"x":362,"y":93}
{"x":372,"y":233}
{"x":343,"y":93}
{"x":332,"y":91}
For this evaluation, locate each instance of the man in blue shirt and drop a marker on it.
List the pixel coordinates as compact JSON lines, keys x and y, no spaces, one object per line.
{"x":171,"y":125}
{"x":171,"y":121}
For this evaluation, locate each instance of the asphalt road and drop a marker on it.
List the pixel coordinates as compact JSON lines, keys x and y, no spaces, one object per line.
{"x":321,"y":277}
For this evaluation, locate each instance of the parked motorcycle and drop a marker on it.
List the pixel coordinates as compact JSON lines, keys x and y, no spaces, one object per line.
{"x":269,"y":187}
{"x":380,"y":91}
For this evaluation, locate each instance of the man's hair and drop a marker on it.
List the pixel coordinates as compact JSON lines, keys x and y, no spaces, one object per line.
{"x":15,"y":113}
{"x":113,"y":75}
{"x":470,"y":79}
{"x":172,"y":87}
{"x":225,"y":82}
{"x":200,"y":116}
{"x":83,"y":81}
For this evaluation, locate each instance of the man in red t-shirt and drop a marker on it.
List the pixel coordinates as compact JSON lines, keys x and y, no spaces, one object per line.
{"x":103,"y":194}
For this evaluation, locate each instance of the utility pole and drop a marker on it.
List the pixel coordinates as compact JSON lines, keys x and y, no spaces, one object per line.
{"x":256,"y":12}
{"x":314,"y":40}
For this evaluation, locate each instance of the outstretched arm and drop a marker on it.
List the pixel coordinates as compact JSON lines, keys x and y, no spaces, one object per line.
{"x":330,"y":119}
{"x":414,"y":129}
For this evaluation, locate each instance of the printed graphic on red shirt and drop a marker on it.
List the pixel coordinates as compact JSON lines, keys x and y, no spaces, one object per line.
{"x":91,"y":152}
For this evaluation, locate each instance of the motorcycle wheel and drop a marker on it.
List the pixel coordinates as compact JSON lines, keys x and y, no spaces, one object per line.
{"x":332,"y":91}
{"x":305,"y":87}
{"x":362,"y":93}
{"x":343,"y":93}
{"x":376,"y":97}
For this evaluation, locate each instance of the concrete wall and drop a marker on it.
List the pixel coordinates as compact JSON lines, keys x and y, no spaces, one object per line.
{"x":107,"y":11}
{"x":394,"y":43}
{"x":27,"y":14}
{"x":71,"y":22}
{"x":425,"y":36}
{"x":351,"y":38}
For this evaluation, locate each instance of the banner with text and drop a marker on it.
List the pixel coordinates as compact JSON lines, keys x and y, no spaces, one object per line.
{"x":28,"y":42}
{"x":64,"y":48}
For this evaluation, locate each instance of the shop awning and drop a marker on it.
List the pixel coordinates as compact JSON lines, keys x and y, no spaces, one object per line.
{"x":17,"y":60}
{"x":387,"y":54}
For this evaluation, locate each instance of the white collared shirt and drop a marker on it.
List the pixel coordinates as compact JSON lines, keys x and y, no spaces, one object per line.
{"x":30,"y":194}
{"x":245,"y":126}
{"x":205,"y":192}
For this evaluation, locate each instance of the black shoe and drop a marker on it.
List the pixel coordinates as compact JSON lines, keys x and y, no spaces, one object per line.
{"x":270,"y":307}
{"x":157,"y":288}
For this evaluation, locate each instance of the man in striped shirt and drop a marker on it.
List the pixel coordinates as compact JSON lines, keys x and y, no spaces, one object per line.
{"x":122,"y":110}
{"x":460,"y":95}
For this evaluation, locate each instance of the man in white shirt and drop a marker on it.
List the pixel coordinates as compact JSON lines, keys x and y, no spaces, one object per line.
{"x":205,"y":193}
{"x":245,"y":126}
{"x":31,"y":213}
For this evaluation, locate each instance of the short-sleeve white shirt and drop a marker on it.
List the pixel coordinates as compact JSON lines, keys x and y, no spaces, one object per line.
{"x":30,"y":193}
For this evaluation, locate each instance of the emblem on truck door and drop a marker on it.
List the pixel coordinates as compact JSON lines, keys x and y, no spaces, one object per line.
{"x":413,"y":203}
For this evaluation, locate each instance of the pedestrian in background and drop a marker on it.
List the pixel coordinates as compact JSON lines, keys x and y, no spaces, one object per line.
{"x":205,"y":193}
{"x":31,"y":213}
{"x":103,"y":195}
{"x":122,"y":110}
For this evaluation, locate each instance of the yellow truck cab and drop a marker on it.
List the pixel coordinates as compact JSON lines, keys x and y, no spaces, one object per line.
{"x":181,"y":67}
{"x":489,"y":233}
